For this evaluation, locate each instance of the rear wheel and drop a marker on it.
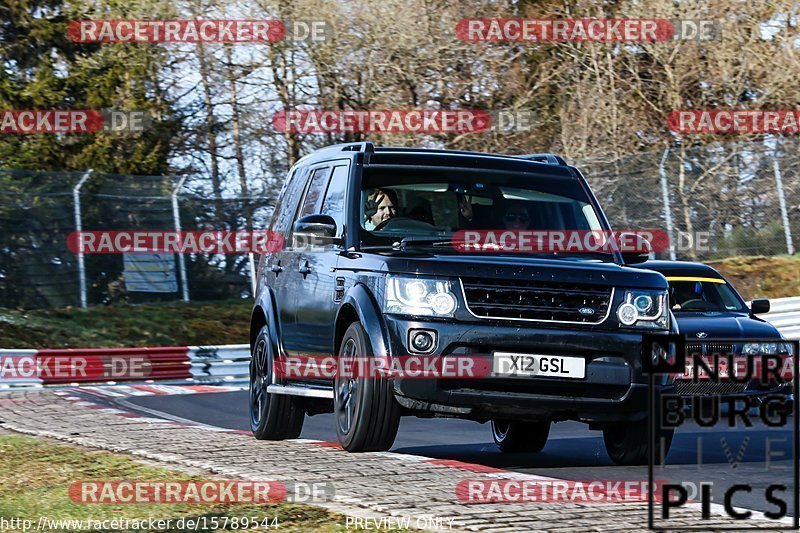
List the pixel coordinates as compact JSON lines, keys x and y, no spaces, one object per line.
{"x":272,"y":416}
{"x":366,"y":412}
{"x":627,"y":444}
{"x":520,"y":436}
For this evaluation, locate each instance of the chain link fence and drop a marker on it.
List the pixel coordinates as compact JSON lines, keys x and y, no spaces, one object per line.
{"x":39,"y":210}
{"x":716,"y":201}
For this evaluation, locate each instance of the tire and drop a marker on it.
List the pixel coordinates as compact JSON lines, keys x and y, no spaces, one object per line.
{"x":627,"y":444}
{"x":365,"y":411}
{"x":272,"y":416}
{"x":520,"y":436}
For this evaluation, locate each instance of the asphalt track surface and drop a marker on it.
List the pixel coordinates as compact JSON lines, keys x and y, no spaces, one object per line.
{"x":572,"y":452}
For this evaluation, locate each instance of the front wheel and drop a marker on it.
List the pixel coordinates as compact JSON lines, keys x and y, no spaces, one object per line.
{"x":520,"y":436}
{"x":366,"y":412}
{"x":272,"y":416}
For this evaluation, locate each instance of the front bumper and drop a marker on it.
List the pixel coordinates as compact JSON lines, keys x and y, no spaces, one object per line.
{"x":614,"y":388}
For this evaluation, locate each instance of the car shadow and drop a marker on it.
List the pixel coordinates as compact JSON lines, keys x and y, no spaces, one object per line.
{"x":717,"y":447}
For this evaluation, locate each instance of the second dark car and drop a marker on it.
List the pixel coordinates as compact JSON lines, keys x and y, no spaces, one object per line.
{"x":712,"y":316}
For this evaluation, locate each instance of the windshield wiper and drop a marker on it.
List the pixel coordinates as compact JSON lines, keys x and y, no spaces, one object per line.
{"x":376,"y":247}
{"x":412,"y":240}
{"x":422,"y":240}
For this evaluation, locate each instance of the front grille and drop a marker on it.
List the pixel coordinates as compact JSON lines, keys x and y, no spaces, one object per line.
{"x":540,"y":387}
{"x":702,"y":388}
{"x":709,"y":348}
{"x":537,"y":300}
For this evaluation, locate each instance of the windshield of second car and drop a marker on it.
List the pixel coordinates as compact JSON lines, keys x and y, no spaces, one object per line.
{"x":696,"y":295}
{"x":396,"y":204}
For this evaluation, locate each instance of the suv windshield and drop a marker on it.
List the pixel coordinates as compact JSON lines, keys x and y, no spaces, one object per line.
{"x":697,"y":295}
{"x":427,"y":207}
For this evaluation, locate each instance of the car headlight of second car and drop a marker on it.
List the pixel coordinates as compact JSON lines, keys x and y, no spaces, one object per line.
{"x":769,"y":348}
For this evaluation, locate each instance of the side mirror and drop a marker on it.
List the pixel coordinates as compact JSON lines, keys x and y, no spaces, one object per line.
{"x":634,"y":248}
{"x":315,"y":230}
{"x":759,"y":306}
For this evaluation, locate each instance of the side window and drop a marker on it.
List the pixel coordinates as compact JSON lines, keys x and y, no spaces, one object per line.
{"x":312,"y":203}
{"x":334,"y":203}
{"x":287,"y":201}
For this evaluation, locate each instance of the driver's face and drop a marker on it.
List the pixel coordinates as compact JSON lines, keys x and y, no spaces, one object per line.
{"x":386,"y":210}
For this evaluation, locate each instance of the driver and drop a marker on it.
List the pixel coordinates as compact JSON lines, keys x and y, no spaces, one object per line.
{"x":381,"y":206}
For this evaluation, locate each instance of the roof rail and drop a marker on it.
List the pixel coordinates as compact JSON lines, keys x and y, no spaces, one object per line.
{"x":364,"y":146}
{"x":550,"y":159}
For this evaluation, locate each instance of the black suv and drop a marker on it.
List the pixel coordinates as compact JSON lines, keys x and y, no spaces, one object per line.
{"x":385,"y":280}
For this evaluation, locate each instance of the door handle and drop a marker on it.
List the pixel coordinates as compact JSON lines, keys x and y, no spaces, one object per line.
{"x":305,"y":270}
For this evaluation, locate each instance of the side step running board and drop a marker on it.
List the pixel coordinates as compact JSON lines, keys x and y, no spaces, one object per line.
{"x":297,"y":390}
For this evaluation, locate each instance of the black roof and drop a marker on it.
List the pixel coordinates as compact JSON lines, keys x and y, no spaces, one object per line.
{"x":681,"y":268}
{"x":383,"y":156}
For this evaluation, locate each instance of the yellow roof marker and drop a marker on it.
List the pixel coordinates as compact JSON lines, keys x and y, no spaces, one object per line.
{"x":689,"y":278}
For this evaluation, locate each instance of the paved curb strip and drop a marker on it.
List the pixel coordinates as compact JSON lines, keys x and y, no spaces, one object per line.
{"x":369,"y":485}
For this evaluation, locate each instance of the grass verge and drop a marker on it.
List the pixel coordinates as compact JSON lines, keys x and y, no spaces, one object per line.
{"x":125,"y":325}
{"x":35,"y":476}
{"x":762,"y":277}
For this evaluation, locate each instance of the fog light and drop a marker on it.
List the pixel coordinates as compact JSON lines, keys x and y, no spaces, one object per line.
{"x":421,"y":341}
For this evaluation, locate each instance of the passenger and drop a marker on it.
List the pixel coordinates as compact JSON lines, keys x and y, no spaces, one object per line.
{"x":516,"y":216}
{"x":381,"y":206}
{"x":421,"y":210}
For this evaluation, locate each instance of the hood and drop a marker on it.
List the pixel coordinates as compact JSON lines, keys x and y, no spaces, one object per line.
{"x":726,"y":325}
{"x":517,"y":267}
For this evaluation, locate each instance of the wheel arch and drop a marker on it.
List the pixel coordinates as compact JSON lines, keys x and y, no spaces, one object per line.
{"x":263,"y":314}
{"x":359,"y":305}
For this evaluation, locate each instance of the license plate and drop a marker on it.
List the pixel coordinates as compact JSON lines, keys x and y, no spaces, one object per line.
{"x":554,"y":366}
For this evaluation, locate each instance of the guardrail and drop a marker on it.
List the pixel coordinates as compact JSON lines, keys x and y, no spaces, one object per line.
{"x":785,"y":315}
{"x":208,"y":365}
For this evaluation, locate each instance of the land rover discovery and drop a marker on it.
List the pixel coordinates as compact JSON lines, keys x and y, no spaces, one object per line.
{"x":384,"y":279}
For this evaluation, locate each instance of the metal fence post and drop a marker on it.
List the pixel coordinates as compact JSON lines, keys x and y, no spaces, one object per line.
{"x":76,"y":202}
{"x":176,"y":218}
{"x":787,"y":229}
{"x":667,"y":208}
{"x":253,"y":281}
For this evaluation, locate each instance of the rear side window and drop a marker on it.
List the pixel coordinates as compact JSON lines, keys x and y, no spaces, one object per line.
{"x":287,"y":201}
{"x":312,"y":203}
{"x":334,"y":203}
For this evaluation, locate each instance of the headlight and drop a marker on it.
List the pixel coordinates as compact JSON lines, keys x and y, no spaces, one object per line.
{"x":644,"y":309}
{"x":419,"y":296}
{"x":770,"y":348}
